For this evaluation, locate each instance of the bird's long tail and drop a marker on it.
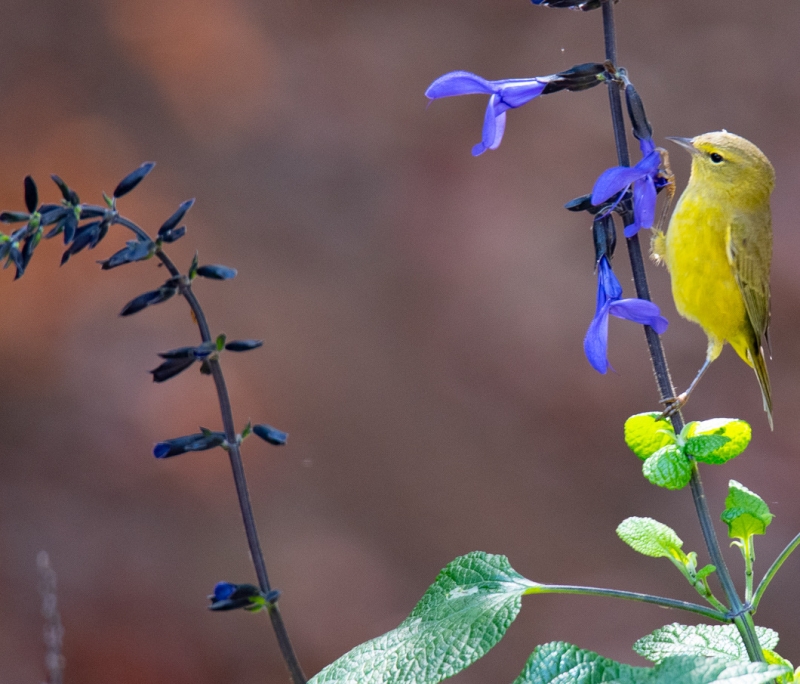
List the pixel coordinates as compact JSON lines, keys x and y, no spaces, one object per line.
{"x":760,"y":367}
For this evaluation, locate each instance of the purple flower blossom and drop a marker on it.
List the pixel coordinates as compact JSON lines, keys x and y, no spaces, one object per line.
{"x":503,"y":95}
{"x":643,"y":178}
{"x":609,"y":301}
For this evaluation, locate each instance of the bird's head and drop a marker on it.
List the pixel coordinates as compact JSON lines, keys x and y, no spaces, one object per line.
{"x":728,"y":163}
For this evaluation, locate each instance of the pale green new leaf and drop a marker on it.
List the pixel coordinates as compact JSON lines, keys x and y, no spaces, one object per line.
{"x":465,"y":612}
{"x":562,"y":663}
{"x":737,"y":432}
{"x":668,"y":468}
{"x":716,"y":641}
{"x":651,"y":538}
{"x":646,"y":433}
{"x":746,"y":513}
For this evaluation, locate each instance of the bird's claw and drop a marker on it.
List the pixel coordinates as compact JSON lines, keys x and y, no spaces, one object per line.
{"x":674,"y":404}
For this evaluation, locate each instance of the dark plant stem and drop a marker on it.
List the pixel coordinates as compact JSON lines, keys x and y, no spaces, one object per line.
{"x":256,"y":554}
{"x":659,"y":362}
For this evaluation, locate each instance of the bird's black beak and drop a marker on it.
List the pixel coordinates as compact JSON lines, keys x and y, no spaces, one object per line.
{"x":687,"y":143}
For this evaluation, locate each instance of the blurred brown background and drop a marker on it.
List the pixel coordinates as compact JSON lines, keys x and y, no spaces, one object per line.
{"x":423,"y":315}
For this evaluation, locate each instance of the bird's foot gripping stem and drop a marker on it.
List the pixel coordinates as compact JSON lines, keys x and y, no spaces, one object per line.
{"x":674,"y":404}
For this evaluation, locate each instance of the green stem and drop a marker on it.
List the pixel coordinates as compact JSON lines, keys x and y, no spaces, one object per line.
{"x":631,"y":596}
{"x":749,"y":552}
{"x":658,"y":357}
{"x":762,"y":587}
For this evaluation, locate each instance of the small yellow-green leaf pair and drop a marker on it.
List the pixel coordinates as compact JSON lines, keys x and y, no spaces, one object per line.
{"x":667,"y":457}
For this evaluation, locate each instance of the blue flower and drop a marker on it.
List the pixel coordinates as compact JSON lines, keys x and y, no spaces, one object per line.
{"x":504,"y":95}
{"x":645,"y":180}
{"x":609,"y":301}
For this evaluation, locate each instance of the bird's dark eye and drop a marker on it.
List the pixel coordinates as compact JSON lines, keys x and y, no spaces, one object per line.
{"x":716,"y":158}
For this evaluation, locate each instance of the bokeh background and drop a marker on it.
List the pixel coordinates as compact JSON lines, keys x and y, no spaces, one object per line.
{"x":422,"y":310}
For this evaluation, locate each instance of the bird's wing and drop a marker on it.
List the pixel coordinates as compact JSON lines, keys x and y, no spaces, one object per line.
{"x":749,"y":249}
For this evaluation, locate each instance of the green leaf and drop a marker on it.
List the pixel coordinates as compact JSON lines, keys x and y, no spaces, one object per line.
{"x":464,"y":613}
{"x":737,"y":432}
{"x":562,"y":663}
{"x":703,"y":447}
{"x":715,"y":641}
{"x":746,"y":513}
{"x":651,"y":538}
{"x":705,"y":571}
{"x":775,"y":659}
{"x":668,"y":468}
{"x":220,"y":342}
{"x":646,"y":433}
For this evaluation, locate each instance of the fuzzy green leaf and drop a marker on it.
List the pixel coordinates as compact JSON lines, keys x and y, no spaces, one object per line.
{"x":646,"y":433}
{"x":562,"y":663}
{"x":715,"y":641}
{"x":703,"y":447}
{"x":737,"y":432}
{"x":464,"y":613}
{"x":746,"y":513}
{"x":651,"y":538}
{"x":668,"y":468}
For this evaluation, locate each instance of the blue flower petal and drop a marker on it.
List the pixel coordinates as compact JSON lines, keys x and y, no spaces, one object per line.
{"x":639,"y":311}
{"x":494,"y":125}
{"x":459,"y":83}
{"x":644,"y":206}
{"x":646,"y":145}
{"x":606,"y":280}
{"x":516,"y":92}
{"x":614,"y":180}
{"x":595,"y":344}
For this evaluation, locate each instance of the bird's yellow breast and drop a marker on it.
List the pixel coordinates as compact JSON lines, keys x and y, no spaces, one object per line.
{"x":704,"y":286}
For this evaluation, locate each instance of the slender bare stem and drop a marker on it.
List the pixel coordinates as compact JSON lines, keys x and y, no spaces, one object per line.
{"x":256,"y":554}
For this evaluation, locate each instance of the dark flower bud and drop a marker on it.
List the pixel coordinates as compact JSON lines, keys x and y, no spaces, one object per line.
{"x":14,"y":216}
{"x":15,"y":257}
{"x":641,"y":126}
{"x":52,"y":213}
{"x":271,"y":434}
{"x":171,"y":367}
{"x":584,"y":5}
{"x":175,"y":219}
{"x":200,"y":441}
{"x":85,"y":236}
{"x":135,"y":250}
{"x":31,"y":195}
{"x":229,"y":596}
{"x":67,"y":224}
{"x":172,"y":235}
{"x":133,"y":179}
{"x":92,"y":212}
{"x":577,"y":78}
{"x":243,"y":345}
{"x":604,"y":233}
{"x":201,"y":351}
{"x":70,"y":196}
{"x":582,"y":203}
{"x":217,"y":272}
{"x":205,"y":368}
{"x":162,"y":294}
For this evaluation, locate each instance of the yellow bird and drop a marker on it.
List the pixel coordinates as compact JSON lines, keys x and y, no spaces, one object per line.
{"x":718,"y":250}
